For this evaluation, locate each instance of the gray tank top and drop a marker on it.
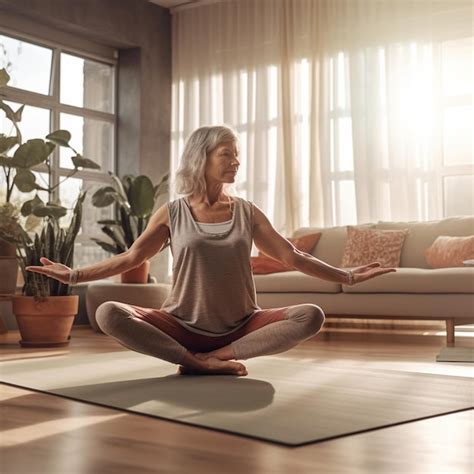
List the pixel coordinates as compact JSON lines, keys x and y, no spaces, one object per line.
{"x":213,"y":291}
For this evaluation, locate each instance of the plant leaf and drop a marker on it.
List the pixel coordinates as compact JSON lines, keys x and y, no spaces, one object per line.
{"x":106,"y":246}
{"x":7,"y":143}
{"x":50,"y":210}
{"x":4,"y":77}
{"x":142,"y":196}
{"x":80,"y":161}
{"x":31,"y":153}
{"x":28,"y":206}
{"x":105,"y":196}
{"x":59,"y":137}
{"x":25,"y":180}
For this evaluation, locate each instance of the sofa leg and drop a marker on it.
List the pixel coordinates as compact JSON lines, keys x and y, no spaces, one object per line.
{"x":450,"y":332}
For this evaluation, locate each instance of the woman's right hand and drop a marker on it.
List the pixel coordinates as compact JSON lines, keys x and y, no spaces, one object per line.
{"x":58,"y":271}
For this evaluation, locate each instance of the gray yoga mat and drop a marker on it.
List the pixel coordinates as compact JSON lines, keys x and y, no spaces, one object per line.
{"x":283,"y":401}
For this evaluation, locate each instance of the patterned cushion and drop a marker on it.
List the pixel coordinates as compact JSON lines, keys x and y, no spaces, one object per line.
{"x":447,"y":251}
{"x":263,"y":264}
{"x":365,"y":246}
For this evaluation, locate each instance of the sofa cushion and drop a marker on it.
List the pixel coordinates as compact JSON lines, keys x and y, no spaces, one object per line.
{"x":447,"y":251}
{"x":422,"y":234}
{"x":294,"y":282}
{"x":418,"y":280}
{"x":263,"y":264}
{"x":305,"y":243}
{"x":364,"y":246}
{"x":331,"y":244}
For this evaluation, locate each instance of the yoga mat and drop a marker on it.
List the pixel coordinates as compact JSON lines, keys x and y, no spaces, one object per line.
{"x":283,"y":401}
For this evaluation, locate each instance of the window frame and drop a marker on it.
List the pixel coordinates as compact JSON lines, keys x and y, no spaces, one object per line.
{"x":51,"y":101}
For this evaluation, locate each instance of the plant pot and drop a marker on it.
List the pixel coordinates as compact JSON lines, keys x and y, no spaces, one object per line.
{"x":138,"y":274}
{"x":7,"y":249}
{"x":45,"y":323}
{"x":8,"y":275}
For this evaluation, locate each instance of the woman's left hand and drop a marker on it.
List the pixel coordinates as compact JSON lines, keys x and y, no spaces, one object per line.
{"x":366,"y":272}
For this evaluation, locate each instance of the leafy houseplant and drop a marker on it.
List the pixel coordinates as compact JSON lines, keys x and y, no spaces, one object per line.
{"x":41,"y":295}
{"x":136,"y":198}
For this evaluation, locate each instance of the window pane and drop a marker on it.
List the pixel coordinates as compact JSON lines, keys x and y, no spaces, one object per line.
{"x":459,"y":196}
{"x":69,"y":191}
{"x":88,"y":254}
{"x":347,"y":203}
{"x":17,"y":197}
{"x":28,"y":65}
{"x":457,"y":136}
{"x":345,"y":158}
{"x":341,"y":79}
{"x":34,"y":122}
{"x":86,"y":83}
{"x":92,"y":138}
{"x":458,"y":75}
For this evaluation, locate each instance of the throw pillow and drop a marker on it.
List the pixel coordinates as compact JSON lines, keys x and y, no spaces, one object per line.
{"x":305,"y":243}
{"x":365,"y":246}
{"x":263,"y":264}
{"x":447,"y":251}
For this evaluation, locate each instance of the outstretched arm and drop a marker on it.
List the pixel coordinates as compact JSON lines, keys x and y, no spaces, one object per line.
{"x":273,"y":244}
{"x":147,"y":244}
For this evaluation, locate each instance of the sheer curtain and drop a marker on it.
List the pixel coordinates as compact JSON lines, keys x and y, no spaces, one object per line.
{"x":341,"y":105}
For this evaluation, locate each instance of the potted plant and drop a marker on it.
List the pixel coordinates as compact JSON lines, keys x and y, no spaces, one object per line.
{"x":136,"y":198}
{"x":8,"y":212}
{"x":45,"y":310}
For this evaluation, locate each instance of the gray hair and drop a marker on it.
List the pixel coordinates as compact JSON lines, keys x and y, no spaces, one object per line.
{"x":190,"y":178}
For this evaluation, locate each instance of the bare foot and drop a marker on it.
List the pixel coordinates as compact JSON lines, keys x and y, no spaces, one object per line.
{"x":202,"y":355}
{"x":215,"y":366}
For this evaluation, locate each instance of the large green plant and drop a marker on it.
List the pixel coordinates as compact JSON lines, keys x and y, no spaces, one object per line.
{"x":136,"y":198}
{"x":52,"y":241}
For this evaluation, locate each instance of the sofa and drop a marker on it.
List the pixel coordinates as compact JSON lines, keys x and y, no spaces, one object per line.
{"x":415,"y":291}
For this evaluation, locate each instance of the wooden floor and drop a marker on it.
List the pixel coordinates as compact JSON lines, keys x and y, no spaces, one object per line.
{"x":48,"y":434}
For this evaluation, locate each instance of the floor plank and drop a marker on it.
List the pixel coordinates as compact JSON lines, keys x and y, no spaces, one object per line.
{"x":65,"y":436}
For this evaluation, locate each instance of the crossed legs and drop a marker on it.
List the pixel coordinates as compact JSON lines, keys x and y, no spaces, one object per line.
{"x":154,"y":333}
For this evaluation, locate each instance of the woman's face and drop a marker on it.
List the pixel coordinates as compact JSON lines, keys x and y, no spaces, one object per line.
{"x":222,"y":163}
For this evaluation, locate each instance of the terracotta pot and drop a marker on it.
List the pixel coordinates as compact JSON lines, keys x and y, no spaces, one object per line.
{"x":45,"y":323}
{"x":7,"y":249}
{"x":138,"y":274}
{"x":8,"y":275}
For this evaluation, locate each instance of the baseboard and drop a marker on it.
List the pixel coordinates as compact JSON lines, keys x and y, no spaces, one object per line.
{"x":355,"y":323}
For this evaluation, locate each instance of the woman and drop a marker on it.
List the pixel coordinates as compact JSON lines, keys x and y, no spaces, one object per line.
{"x":211,"y":317}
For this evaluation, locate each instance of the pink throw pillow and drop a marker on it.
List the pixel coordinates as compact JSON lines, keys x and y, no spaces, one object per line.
{"x":263,"y":264}
{"x":306,"y":243}
{"x":447,"y":251}
{"x":365,"y":246}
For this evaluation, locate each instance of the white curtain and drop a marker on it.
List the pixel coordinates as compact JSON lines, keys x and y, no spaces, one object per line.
{"x":340,"y":104}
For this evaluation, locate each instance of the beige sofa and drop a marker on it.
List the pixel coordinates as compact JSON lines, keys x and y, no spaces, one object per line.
{"x":413,"y":292}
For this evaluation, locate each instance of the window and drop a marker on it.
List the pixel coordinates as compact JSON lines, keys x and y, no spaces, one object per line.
{"x":341,"y":167}
{"x":457,"y":84}
{"x":63,"y":88}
